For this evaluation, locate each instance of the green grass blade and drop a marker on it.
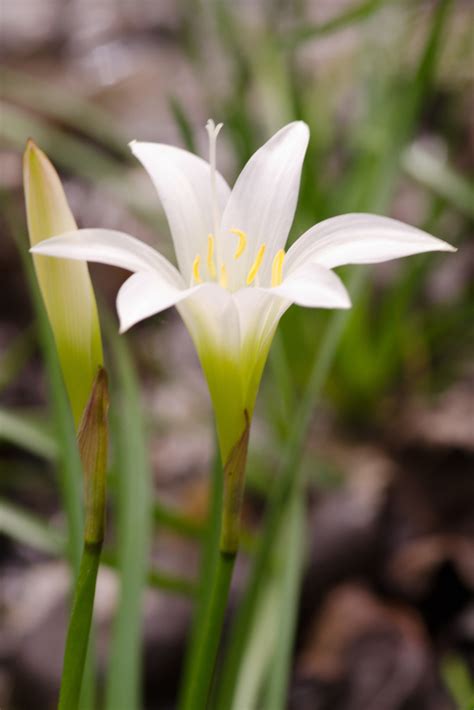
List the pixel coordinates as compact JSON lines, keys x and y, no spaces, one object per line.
{"x":15,"y":356}
{"x":291,"y":568}
{"x":209,"y":554}
{"x":74,"y":155}
{"x":458,"y":678}
{"x":258,"y":654}
{"x":30,"y":530}
{"x":69,"y":107}
{"x":182,"y":122}
{"x":436,"y":175}
{"x":69,"y":468}
{"x":356,"y":13}
{"x":134,"y":531}
{"x":27,"y":434}
{"x":267,"y":653}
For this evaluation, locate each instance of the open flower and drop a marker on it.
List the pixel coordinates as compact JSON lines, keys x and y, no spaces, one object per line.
{"x":234,"y":280}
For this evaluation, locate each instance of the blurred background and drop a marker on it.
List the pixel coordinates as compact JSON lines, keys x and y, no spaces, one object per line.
{"x":386,"y":608}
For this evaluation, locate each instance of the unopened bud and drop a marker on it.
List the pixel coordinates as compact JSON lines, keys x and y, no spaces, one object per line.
{"x":64,"y":283}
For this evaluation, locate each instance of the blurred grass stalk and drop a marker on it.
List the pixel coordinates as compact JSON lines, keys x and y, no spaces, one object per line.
{"x":31,"y":530}
{"x":459,"y":680}
{"x":75,"y":155}
{"x":134,"y":529}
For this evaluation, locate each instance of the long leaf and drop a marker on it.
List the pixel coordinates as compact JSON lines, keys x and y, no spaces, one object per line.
{"x":26,"y":433}
{"x":134,"y":531}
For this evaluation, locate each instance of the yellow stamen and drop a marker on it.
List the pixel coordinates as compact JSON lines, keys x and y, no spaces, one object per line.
{"x":242,"y":242}
{"x":223,"y":280}
{"x":196,"y":275}
{"x":277,"y":268}
{"x":211,"y":267}
{"x":256,"y":264}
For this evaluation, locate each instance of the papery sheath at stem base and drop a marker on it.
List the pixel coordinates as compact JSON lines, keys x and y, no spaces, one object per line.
{"x":234,"y":482}
{"x":93,"y":438}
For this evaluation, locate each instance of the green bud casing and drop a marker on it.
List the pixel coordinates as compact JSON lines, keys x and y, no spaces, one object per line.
{"x":64,"y":283}
{"x":93,"y":438}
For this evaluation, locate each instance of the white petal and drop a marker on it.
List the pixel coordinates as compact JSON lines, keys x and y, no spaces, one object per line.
{"x":259,"y":310}
{"x":107,"y":246}
{"x":183,"y":183}
{"x":144,"y":294}
{"x":313,"y":286}
{"x":211,"y":318}
{"x":259,"y":313}
{"x":360,"y":239}
{"x":263,"y":201}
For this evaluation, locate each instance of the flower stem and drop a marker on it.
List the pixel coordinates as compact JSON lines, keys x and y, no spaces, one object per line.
{"x":221,"y":551}
{"x":198,"y":690}
{"x":92,"y":439}
{"x":79,"y":628}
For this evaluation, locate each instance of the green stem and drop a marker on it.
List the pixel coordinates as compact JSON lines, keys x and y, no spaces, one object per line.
{"x":198,"y":689}
{"x":79,"y":628}
{"x":209,"y":553}
{"x":92,"y":439}
{"x":220,"y":552}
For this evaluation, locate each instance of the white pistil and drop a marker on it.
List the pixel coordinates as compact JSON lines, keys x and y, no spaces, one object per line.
{"x":213,"y":132}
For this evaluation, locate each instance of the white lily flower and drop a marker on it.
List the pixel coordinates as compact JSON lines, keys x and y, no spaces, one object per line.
{"x":234,"y":281}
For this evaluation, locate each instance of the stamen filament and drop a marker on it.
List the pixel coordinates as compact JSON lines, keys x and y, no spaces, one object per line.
{"x":196,"y":275}
{"x":277,"y":268}
{"x":223,"y":279}
{"x":211,"y":267}
{"x":256,"y":264}
{"x":242,"y":242}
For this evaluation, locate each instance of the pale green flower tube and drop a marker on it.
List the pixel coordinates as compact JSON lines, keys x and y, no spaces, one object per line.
{"x":65,"y":284}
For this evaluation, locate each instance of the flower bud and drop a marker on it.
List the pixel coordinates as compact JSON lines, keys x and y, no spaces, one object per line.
{"x":64,"y":283}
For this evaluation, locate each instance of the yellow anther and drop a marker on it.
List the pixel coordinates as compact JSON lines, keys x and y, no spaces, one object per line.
{"x":211,"y":267}
{"x":242,"y":242}
{"x":277,"y":268}
{"x":256,"y":265}
{"x":196,"y":275}
{"x":224,"y":279}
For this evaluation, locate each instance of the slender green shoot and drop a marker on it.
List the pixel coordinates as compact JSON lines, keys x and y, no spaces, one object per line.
{"x":206,"y":573}
{"x":134,"y":499}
